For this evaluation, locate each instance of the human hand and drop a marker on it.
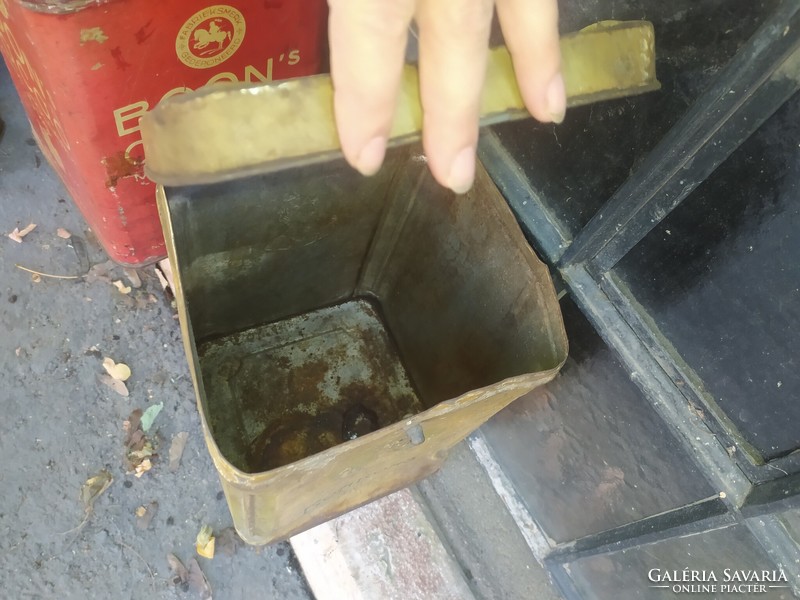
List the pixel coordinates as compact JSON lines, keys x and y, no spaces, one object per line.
{"x":368,"y":43}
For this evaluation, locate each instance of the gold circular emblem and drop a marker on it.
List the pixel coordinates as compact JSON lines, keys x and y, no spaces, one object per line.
{"x":210,"y":36}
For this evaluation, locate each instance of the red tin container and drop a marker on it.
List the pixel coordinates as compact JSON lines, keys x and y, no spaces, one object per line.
{"x":86,"y":71}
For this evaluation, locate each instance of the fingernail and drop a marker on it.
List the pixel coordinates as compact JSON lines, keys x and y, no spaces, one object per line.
{"x":371,"y":157}
{"x":557,"y":99}
{"x":462,"y":171}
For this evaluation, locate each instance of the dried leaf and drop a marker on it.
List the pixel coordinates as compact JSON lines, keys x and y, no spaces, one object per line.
{"x":93,"y":488}
{"x":176,"y":449}
{"x":63,"y":233}
{"x":100,"y":272}
{"x":166,"y":270}
{"x":137,"y":441}
{"x":133,"y":277}
{"x":17,"y":235}
{"x":180,"y":574}
{"x":127,"y":301}
{"x":162,"y":279}
{"x":228,"y":541}
{"x":123,"y":289}
{"x":150,"y":415}
{"x":197,"y":580}
{"x":131,"y":425}
{"x":146,"y":514}
{"x":139,"y":448}
{"x":119,"y":371}
{"x":115,"y":384}
{"x":145,"y":452}
{"x":143,"y":467}
{"x":204,"y":544}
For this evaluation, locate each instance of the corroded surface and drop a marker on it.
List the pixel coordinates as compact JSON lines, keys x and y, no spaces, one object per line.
{"x":471,"y":310}
{"x":284,"y":391}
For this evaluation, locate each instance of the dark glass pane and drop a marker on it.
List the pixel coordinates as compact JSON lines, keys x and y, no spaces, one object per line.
{"x":586,"y":452}
{"x":720,"y":276}
{"x":624,"y":574}
{"x":578,"y":165}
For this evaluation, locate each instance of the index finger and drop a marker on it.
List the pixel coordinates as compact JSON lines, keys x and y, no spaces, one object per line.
{"x":530,"y":29}
{"x":367,"y":41}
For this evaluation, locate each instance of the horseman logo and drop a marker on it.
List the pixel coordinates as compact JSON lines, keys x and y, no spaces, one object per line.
{"x":210,"y":36}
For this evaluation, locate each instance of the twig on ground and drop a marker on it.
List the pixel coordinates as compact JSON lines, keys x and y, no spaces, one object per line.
{"x":47,"y":274}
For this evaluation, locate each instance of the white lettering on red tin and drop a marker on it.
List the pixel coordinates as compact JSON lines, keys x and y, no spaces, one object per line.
{"x":126,"y":118}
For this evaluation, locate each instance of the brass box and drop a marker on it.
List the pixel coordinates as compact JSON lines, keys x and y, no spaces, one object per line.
{"x":318,"y":305}
{"x":344,"y":332}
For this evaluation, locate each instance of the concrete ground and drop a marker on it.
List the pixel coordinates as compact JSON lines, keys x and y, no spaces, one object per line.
{"x":59,"y":425}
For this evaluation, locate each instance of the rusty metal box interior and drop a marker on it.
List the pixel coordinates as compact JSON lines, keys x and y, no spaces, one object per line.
{"x":325,"y":305}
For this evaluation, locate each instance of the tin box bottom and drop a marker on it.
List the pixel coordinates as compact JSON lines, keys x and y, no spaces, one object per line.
{"x":283,"y":391}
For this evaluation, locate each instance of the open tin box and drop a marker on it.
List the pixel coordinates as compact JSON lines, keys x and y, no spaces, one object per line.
{"x":343,"y":333}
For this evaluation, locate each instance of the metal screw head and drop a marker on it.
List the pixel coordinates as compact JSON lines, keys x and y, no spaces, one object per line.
{"x":415,"y":434}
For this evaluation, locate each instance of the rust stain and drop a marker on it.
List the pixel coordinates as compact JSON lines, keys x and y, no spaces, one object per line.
{"x":304,"y":381}
{"x":376,"y":344}
{"x":281,"y":362}
{"x":358,"y":393}
{"x":292,"y":438}
{"x":118,"y":166}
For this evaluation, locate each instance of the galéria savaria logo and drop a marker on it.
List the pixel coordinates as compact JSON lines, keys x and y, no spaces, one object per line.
{"x":210,"y":36}
{"x":725,"y":581}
